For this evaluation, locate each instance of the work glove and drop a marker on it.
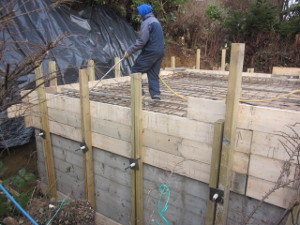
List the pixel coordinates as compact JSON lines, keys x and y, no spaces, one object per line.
{"x":126,"y":55}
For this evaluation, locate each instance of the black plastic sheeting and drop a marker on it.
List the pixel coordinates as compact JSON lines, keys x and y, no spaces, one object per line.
{"x":93,"y":33}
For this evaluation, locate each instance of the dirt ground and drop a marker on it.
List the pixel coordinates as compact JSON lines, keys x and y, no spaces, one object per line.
{"x":41,"y":208}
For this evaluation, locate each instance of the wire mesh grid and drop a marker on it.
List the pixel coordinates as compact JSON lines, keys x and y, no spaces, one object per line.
{"x":200,"y":85}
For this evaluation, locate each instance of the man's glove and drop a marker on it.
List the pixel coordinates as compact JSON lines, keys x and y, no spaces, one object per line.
{"x":126,"y":55}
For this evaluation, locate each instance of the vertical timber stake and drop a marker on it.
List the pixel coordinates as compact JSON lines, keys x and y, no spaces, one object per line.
{"x":198,"y":58}
{"x":215,"y":169}
{"x":91,"y":70}
{"x":88,"y":165}
{"x":53,"y":73}
{"x":173,"y":62}
{"x":137,"y":186}
{"x":117,"y":68}
{"x":223,"y":60}
{"x":228,"y":144}
{"x":48,"y":153}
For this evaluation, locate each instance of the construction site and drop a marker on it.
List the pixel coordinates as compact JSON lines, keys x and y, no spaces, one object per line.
{"x":220,"y":147}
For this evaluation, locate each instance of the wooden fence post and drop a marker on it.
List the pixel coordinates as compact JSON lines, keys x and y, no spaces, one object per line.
{"x":137,"y":186}
{"x":88,"y":165}
{"x":232,"y":106}
{"x":117,"y":68}
{"x":47,"y":146}
{"x":223,"y":60}
{"x":214,"y":169}
{"x":198,"y":59}
{"x":91,"y":70}
{"x":53,"y":73}
{"x":172,"y":61}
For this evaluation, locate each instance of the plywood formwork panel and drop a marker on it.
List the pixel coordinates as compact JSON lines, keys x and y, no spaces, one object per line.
{"x":257,"y":188}
{"x":269,"y":145}
{"x":269,"y":169}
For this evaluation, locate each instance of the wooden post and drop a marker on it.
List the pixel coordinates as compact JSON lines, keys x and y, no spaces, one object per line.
{"x":250,"y":70}
{"x":88,"y":165}
{"x":53,"y":73}
{"x":223,"y":60}
{"x":172,"y":61}
{"x":47,"y":146}
{"x":232,"y":106}
{"x":215,"y":169}
{"x":137,"y":186}
{"x":117,"y":68}
{"x":91,"y":70}
{"x":198,"y":59}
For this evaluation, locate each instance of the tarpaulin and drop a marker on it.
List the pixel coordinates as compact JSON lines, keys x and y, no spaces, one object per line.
{"x":95,"y":33}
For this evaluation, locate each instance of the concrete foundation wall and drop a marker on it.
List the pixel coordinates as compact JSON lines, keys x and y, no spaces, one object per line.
{"x":188,"y":197}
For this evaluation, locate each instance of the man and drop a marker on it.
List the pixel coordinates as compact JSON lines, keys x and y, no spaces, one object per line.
{"x":151,"y":41}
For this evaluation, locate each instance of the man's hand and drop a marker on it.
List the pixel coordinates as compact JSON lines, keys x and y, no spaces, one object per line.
{"x":126,"y":55}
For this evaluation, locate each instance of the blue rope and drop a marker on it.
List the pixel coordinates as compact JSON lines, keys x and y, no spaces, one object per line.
{"x":164,"y":190}
{"x":61,"y":204}
{"x":17,"y":205}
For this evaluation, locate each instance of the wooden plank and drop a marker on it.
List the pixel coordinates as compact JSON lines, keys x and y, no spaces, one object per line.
{"x":268,"y":169}
{"x":205,"y":110}
{"x":176,"y":164}
{"x":87,"y":138}
{"x":215,"y":169}
{"x":265,"y":119}
{"x":117,"y":68}
{"x":44,"y":120}
{"x":166,"y":161}
{"x":52,"y":73}
{"x":198,"y":59}
{"x":257,"y":188}
{"x":243,"y":140}
{"x":232,"y":107}
{"x":91,"y":70}
{"x":269,"y":145}
{"x":178,"y":126}
{"x":223,"y":59}
{"x":197,"y":151}
{"x":286,"y":71}
{"x":19,"y":110}
{"x":256,"y":118}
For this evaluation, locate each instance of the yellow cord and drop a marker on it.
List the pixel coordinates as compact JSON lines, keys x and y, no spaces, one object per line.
{"x":170,"y":89}
{"x":260,"y":100}
{"x":271,"y":99}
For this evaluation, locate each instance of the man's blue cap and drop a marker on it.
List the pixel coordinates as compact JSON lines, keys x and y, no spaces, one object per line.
{"x":144,"y":10}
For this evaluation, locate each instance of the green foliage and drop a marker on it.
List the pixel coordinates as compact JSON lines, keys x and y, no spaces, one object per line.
{"x":233,"y":24}
{"x":214,"y":11}
{"x":261,"y":17}
{"x":20,"y":181}
{"x":291,"y":26}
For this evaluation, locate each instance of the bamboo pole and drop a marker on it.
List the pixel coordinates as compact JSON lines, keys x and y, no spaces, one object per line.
{"x":53,"y":73}
{"x":215,"y":169}
{"x":223,"y":60}
{"x":137,"y":186}
{"x":198,"y":59}
{"x":172,"y":61}
{"x":232,"y":106}
{"x":117,"y":68}
{"x":47,"y":146}
{"x":88,"y":164}
{"x":91,"y":70}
